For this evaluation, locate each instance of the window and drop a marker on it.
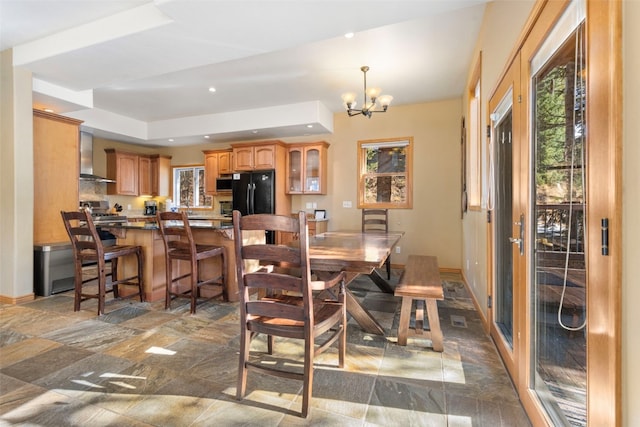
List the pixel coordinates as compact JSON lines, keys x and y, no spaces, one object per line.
{"x":384,"y":172}
{"x":188,"y":187}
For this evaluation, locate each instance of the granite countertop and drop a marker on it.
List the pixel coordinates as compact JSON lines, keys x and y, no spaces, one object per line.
{"x":194,"y":223}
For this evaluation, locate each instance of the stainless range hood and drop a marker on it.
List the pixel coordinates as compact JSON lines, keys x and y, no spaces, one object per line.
{"x":86,"y":160}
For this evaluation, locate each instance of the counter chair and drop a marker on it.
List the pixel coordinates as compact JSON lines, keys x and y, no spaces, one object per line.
{"x":285,"y":305}
{"x":377,"y":221}
{"x":88,"y":248}
{"x":179,"y":246}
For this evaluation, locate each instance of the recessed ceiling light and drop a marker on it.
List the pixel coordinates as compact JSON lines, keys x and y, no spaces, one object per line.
{"x":349,"y":35}
{"x":254,"y":131}
{"x":170,"y":139}
{"x":309,"y":126}
{"x":206,"y":136}
{"x":212,"y":89}
{"x":48,"y":110}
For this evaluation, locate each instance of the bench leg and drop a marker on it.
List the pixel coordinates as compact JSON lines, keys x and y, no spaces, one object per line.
{"x":405,"y":317}
{"x":434,"y":325}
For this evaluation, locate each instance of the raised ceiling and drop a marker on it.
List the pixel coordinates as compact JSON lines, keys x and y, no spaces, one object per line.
{"x":140,"y":70}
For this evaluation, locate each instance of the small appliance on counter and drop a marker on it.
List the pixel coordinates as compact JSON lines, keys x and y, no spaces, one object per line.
{"x":226,"y":208}
{"x":150,"y":207}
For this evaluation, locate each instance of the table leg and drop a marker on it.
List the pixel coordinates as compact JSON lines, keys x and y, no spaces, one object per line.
{"x":362,"y":316}
{"x":405,"y":317}
{"x":380,"y":282}
{"x":355,"y":309}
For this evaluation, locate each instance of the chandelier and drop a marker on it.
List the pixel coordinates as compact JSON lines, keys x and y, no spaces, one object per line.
{"x":376,"y":104}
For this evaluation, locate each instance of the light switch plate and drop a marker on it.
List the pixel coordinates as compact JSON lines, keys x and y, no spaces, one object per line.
{"x":346,"y":204}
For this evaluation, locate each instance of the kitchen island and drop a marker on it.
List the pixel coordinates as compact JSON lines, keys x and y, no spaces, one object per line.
{"x":147,"y":234}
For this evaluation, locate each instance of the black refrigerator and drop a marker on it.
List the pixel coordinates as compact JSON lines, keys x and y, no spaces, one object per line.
{"x":254,"y":193}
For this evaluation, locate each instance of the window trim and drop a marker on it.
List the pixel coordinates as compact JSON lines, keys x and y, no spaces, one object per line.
{"x":406,"y":141}
{"x":474,"y":179}
{"x":176,"y":199}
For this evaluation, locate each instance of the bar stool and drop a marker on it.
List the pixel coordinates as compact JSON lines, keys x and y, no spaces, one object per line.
{"x":179,"y":245}
{"x":88,"y":247}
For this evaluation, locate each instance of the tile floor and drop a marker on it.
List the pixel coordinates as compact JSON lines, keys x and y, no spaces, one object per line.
{"x":139,"y":365}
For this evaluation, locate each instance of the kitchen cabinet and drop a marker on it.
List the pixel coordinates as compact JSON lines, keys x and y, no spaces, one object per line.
{"x":216,"y":163}
{"x":260,"y":156}
{"x":56,"y":166}
{"x":225,"y":165}
{"x":124,"y":169}
{"x":307,"y":168}
{"x":144,"y":175}
{"x":160,"y":175}
{"x":138,"y":174}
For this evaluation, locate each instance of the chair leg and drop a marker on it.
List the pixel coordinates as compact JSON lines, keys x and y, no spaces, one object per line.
{"x":78,"y":286}
{"x":342,"y":345}
{"x":195,"y":278}
{"x":245,"y":344}
{"x":167,"y":296}
{"x":223,"y":266}
{"x":307,"y":386}
{"x":140,"y":256}
{"x":270,"y":341}
{"x":114,"y":277}
{"x":102,"y":283}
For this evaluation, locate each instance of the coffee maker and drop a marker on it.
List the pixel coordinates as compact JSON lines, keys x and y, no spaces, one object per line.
{"x":150,"y":207}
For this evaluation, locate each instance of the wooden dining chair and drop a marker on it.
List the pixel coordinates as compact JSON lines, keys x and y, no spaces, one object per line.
{"x":377,"y":221}
{"x":88,"y":248}
{"x":179,"y":245}
{"x":285,"y":307}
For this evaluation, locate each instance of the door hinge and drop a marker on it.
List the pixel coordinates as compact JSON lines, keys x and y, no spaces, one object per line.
{"x":488,"y":131}
{"x":519,"y":99}
{"x":489,"y":301}
{"x":488,"y":217}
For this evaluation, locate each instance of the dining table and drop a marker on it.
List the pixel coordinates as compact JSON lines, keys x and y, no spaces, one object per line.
{"x":357,"y":254}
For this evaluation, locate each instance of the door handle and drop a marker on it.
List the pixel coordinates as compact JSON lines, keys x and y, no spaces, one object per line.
{"x":519,"y":240}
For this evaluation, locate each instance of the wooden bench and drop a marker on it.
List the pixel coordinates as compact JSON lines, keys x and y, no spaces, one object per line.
{"x":420,"y":281}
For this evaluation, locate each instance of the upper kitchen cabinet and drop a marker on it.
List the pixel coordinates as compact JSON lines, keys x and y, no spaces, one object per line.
{"x":307,"y":168}
{"x":124,"y":169}
{"x":216,"y":163}
{"x":144,"y":175}
{"x":160,"y":175}
{"x":259,"y":156}
{"x":56,"y":172}
{"x":225,"y":165}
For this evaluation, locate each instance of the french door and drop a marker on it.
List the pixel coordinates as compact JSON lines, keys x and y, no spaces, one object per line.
{"x":554,"y":232}
{"x":508,"y":203}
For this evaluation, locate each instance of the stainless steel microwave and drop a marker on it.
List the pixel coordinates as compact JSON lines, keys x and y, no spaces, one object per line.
{"x":223,"y":184}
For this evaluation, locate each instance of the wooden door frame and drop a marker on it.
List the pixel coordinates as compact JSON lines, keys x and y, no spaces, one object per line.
{"x":604,"y":160}
{"x":510,"y":356}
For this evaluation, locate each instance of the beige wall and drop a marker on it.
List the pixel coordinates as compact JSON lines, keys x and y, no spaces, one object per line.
{"x":503,"y":21}
{"x":432,"y":226}
{"x":631,"y":226}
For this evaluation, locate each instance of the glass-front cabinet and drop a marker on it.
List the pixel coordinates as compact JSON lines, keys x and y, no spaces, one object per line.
{"x":307,"y":168}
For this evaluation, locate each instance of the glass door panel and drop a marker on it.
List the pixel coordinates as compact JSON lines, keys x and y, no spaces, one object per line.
{"x":312,"y":165}
{"x":558,"y":298}
{"x":503,"y":294}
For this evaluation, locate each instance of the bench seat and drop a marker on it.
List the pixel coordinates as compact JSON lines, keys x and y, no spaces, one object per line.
{"x":420,"y":281}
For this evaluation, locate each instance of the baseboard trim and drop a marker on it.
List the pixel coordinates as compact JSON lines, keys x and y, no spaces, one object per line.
{"x":16,"y":300}
{"x":483,"y":318}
